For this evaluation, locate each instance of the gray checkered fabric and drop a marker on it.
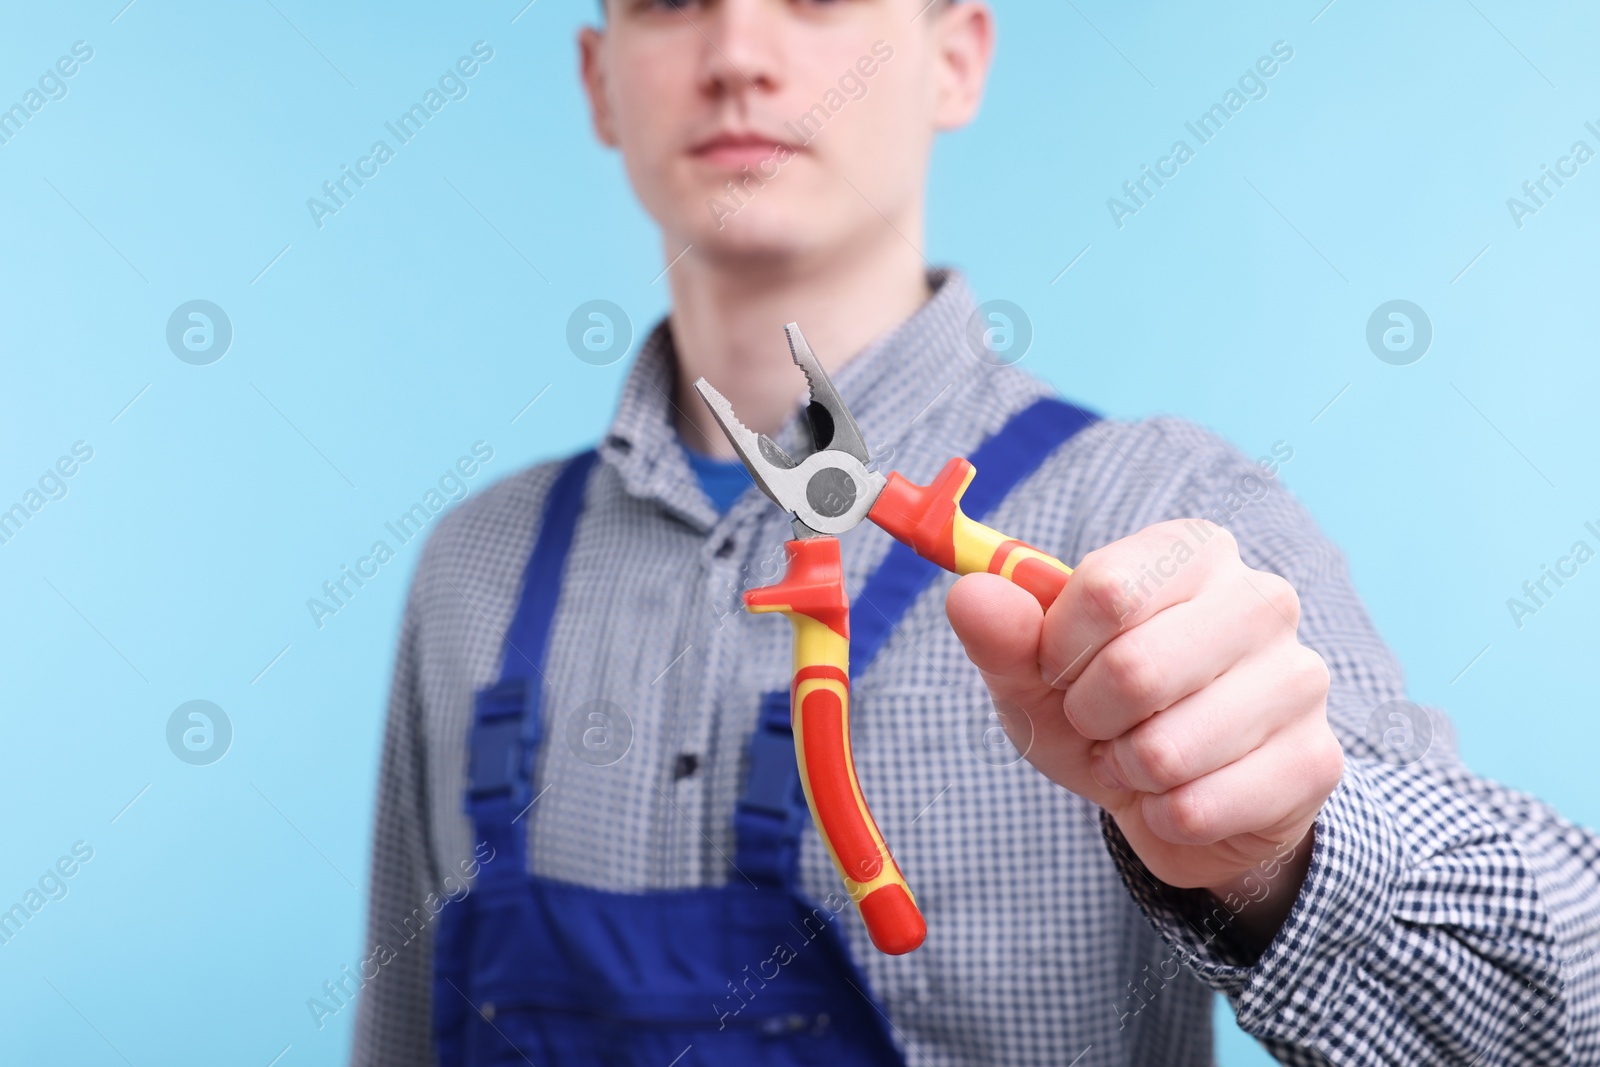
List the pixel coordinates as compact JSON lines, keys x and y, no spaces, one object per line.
{"x":1446,"y":919}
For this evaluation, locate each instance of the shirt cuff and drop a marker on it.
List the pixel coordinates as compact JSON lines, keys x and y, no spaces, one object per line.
{"x":1345,"y":905}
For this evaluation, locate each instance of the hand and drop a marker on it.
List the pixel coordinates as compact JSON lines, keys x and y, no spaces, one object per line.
{"x":1166,"y":684}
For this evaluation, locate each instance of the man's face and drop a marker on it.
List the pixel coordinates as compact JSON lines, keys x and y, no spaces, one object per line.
{"x":820,"y":114}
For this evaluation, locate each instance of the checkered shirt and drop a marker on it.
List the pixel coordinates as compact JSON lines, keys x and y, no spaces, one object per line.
{"x":1445,"y":919}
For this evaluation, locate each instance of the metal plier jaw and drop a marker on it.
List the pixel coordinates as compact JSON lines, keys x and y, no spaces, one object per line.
{"x":831,"y":490}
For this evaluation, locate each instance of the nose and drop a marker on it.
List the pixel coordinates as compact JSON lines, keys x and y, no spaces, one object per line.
{"x":740,"y":46}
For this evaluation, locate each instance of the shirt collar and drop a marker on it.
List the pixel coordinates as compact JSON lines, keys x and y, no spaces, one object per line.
{"x":888,"y":386}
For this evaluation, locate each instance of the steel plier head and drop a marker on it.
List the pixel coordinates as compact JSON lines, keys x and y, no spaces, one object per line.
{"x":829,"y":491}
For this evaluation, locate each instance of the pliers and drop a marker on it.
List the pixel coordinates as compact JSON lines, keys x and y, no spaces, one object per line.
{"x":828,"y":493}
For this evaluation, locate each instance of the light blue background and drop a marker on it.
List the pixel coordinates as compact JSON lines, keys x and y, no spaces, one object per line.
{"x":431,"y":310}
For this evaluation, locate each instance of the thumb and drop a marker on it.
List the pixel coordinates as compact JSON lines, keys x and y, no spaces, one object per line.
{"x":1000,"y":625}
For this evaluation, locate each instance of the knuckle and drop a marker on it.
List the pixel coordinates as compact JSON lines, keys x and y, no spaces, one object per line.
{"x":1157,"y":758}
{"x":1285,"y":602}
{"x":1102,"y":587}
{"x":1276,"y":603}
{"x":1135,"y":679}
{"x":1328,"y":764}
{"x":1221,"y":538}
{"x":1161,"y":534}
{"x":1187,"y":816}
{"x":1310,"y":674}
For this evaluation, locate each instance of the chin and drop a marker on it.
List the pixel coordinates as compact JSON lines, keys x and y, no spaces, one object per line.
{"x":756,"y":231}
{"x":750,"y":248}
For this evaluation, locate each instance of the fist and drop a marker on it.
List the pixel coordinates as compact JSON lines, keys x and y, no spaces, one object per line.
{"x":1167,"y":685}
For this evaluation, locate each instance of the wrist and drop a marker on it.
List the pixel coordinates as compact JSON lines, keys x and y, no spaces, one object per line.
{"x":1262,"y":896}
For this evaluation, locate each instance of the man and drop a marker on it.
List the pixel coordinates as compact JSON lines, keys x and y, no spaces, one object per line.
{"x":581,"y":854}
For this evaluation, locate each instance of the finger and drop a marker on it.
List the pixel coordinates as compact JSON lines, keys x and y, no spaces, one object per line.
{"x":999,"y":624}
{"x":1177,"y":652}
{"x":1214,"y":727}
{"x":1276,"y":789}
{"x":1125,"y":583}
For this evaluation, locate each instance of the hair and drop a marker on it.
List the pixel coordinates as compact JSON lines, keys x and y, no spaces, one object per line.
{"x":605,"y":4}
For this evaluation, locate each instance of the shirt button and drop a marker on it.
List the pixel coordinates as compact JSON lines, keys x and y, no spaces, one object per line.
{"x":725,"y":549}
{"x":685,"y":765}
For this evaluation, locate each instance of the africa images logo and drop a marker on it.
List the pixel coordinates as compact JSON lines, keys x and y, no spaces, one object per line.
{"x":337,"y":192}
{"x":1252,"y":85}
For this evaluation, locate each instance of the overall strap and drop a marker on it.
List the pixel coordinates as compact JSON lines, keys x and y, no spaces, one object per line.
{"x":508,"y":720}
{"x":771,"y":814}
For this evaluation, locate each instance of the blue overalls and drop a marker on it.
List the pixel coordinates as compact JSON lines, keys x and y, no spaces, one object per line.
{"x":535,"y":970}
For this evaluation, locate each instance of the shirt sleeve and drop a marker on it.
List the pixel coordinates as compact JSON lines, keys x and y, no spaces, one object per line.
{"x":393,"y":1009}
{"x":1445,"y":918}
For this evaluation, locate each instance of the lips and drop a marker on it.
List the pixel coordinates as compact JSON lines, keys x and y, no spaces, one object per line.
{"x":736,"y":150}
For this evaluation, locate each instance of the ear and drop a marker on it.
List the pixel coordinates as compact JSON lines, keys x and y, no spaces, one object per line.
{"x":963,"y":48}
{"x":591,"y":61}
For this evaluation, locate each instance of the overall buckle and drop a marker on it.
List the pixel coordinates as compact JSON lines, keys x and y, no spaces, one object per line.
{"x":499,"y":750}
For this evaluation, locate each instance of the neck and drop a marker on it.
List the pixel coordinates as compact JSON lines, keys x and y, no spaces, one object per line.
{"x":728,"y":315}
